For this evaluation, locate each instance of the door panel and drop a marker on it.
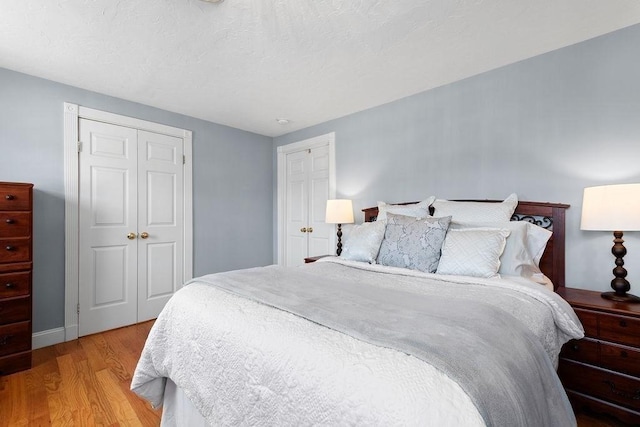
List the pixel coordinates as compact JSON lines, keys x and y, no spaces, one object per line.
{"x":110,"y":281}
{"x":161,"y":270}
{"x":108,"y":212}
{"x":297,"y":207}
{"x":160,"y":200}
{"x":321,"y":237}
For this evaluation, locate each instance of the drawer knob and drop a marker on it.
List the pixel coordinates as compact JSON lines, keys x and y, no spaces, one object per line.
{"x":624,"y":354}
{"x":575,"y":347}
{"x":10,"y":248}
{"x":626,"y":395}
{"x":623,"y":323}
{"x":9,"y":221}
{"x":9,"y":197}
{"x":9,"y":285}
{"x":4,"y":340}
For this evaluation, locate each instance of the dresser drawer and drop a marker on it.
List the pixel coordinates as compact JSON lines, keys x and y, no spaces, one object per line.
{"x":15,"y":250}
{"x":15,"y":310}
{"x":15,"y":337}
{"x":15,"y":284}
{"x":581,"y":402}
{"x":15,"y":363}
{"x":584,"y":350}
{"x":589,"y":320}
{"x":15,"y":224}
{"x":620,"y":358}
{"x":620,"y":329}
{"x":15,"y":198}
{"x":601,"y":383}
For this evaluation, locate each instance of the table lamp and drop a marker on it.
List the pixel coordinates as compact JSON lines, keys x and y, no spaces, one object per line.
{"x":613,"y":208}
{"x":339,"y":211}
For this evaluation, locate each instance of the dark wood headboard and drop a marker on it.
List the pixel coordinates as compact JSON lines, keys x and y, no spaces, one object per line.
{"x":546,"y":215}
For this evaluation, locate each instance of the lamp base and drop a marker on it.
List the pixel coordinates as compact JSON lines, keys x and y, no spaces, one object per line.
{"x":621,"y":298}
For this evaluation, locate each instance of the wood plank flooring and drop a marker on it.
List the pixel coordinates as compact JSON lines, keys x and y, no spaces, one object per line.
{"x":80,"y":383}
{"x":86,"y":383}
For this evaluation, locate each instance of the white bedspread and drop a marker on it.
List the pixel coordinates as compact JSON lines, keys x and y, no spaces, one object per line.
{"x":263,"y":366}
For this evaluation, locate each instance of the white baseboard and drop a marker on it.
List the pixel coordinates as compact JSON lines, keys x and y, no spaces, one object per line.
{"x":47,"y":338}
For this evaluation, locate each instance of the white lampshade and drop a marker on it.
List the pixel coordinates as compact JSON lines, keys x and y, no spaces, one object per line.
{"x":611,"y":208}
{"x":339,"y":211}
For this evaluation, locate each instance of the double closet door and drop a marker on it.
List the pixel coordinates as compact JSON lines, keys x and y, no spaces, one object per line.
{"x":130,"y":224}
{"x":307,"y":192}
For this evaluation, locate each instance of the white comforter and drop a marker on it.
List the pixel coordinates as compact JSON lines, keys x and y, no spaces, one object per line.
{"x":244,"y":363}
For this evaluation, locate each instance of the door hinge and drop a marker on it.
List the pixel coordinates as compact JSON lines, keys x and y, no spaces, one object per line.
{"x":184,"y":160}
{"x":78,"y":309}
{"x":79,"y":146}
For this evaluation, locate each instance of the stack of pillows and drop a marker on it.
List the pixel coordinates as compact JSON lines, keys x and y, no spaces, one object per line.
{"x":462,"y":238}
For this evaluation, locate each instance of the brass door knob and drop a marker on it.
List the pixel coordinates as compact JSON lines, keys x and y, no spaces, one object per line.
{"x":144,"y":235}
{"x":310,"y":229}
{"x":303,"y":230}
{"x":131,"y":236}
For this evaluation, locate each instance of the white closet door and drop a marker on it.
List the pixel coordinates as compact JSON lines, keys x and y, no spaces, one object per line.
{"x":108,"y":213}
{"x":307,"y":174}
{"x":297,"y":207}
{"x":318,"y":183}
{"x":160,"y":221}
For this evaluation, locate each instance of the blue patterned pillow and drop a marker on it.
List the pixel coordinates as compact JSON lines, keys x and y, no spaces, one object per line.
{"x":413,"y":243}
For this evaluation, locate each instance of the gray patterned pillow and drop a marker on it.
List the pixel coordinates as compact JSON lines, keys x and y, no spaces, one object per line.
{"x":413,"y":243}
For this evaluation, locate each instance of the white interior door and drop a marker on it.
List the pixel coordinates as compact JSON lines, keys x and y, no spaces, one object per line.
{"x":108,"y":213}
{"x":131,"y":224}
{"x":160,"y":221}
{"x":307,"y":181}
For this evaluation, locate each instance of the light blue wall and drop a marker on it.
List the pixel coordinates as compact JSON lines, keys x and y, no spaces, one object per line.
{"x":232,"y":173}
{"x":543,"y":128}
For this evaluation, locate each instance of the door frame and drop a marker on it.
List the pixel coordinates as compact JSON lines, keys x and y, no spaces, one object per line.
{"x":328,"y":139}
{"x":72,"y":114}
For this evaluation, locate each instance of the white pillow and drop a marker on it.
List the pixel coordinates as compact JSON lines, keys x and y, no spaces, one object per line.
{"x":525,"y":242}
{"x":416,"y":210}
{"x":472,"y":252}
{"x":477,"y":212}
{"x":363,"y":242}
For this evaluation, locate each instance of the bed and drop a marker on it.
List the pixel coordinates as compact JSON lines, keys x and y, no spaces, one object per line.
{"x":346,"y":342}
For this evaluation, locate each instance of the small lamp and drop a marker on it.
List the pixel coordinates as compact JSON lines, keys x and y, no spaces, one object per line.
{"x":339,"y":211}
{"x":613,"y":208}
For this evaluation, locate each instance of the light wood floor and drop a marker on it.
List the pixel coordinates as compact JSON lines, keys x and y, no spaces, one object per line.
{"x":80,"y":383}
{"x":86,"y":383}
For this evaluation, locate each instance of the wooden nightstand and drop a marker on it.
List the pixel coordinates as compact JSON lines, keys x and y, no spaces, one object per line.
{"x":314,"y":258}
{"x":602,"y":371}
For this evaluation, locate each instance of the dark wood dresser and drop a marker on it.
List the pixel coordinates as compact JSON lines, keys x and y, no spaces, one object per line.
{"x":16,"y":219}
{"x":601,"y":372}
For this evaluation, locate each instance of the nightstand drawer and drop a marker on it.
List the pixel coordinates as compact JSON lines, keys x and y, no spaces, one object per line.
{"x":15,"y":310}
{"x":621,"y":329}
{"x":589,"y":320}
{"x":15,"y":337}
{"x":601,"y":383}
{"x":15,"y":224}
{"x":15,"y":284}
{"x":620,"y":358}
{"x":15,"y":250}
{"x":584,"y":350}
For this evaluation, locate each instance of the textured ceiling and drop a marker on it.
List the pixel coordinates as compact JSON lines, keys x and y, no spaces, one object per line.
{"x":244,"y":63}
